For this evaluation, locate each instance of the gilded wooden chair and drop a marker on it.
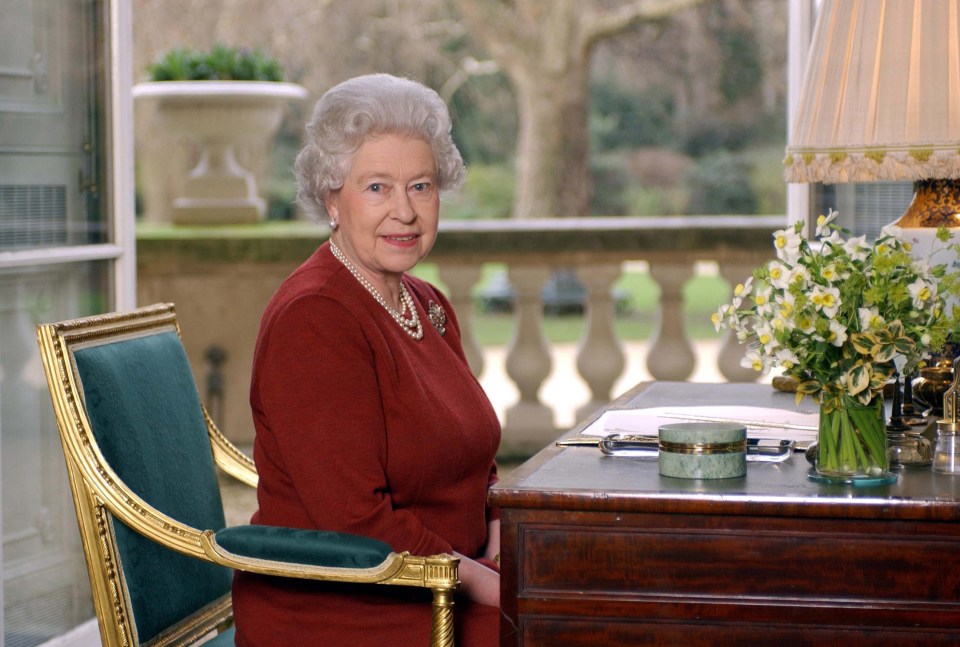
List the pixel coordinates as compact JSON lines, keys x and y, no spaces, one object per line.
{"x":140,"y":453}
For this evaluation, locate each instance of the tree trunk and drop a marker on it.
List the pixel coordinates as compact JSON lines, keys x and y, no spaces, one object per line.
{"x":544,"y":47}
{"x":552,"y":147}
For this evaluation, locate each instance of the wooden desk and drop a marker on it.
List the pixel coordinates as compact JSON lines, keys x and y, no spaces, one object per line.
{"x":603,"y":551}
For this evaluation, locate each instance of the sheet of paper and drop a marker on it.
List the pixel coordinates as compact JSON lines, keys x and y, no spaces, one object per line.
{"x":761,"y":422}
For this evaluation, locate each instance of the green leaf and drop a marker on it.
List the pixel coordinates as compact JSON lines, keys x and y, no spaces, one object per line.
{"x":858,"y":379}
{"x":884,"y":352}
{"x":862,"y":342}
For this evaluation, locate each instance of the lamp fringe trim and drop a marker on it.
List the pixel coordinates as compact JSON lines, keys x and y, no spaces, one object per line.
{"x":831,"y":167}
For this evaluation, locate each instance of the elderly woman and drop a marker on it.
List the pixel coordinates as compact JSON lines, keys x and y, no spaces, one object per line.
{"x":368,"y":419}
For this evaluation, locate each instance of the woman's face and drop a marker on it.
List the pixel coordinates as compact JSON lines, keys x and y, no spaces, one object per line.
{"x":388,"y":207}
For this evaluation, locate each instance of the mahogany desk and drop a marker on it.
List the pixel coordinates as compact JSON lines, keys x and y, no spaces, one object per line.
{"x":603,"y":551}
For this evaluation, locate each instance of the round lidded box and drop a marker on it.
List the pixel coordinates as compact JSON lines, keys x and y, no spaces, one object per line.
{"x":703,"y":450}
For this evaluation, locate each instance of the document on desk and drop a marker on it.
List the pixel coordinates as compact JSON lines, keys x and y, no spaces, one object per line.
{"x":761,"y":422}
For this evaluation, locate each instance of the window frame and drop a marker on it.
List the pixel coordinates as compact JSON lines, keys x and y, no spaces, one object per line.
{"x":119,"y":181}
{"x":114,"y":28}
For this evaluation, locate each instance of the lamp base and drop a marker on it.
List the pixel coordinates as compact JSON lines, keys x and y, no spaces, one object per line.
{"x":936,"y":203}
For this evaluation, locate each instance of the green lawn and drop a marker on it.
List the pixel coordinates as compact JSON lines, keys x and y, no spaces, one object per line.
{"x":702,"y":296}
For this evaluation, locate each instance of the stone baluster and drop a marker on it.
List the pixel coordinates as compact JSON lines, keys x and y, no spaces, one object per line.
{"x":460,"y":279}
{"x":671,"y":356}
{"x":600,"y":356}
{"x":731,"y":350}
{"x":528,"y":360}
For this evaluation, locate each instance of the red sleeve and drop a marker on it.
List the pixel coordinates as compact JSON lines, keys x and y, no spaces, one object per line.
{"x":319,"y":398}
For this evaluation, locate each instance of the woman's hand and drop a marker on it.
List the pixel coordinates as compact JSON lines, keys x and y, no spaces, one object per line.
{"x":492,"y":549}
{"x":479,"y":583}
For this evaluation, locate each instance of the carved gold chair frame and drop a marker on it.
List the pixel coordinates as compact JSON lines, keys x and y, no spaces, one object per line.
{"x":100,"y":496}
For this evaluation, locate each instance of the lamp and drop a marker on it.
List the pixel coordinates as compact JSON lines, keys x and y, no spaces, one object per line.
{"x":881,"y":101}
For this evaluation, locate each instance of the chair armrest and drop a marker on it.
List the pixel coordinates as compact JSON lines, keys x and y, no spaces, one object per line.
{"x":324,"y":555}
{"x":298,"y":546}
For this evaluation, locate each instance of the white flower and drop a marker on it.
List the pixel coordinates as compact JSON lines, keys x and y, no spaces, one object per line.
{"x":786,"y":304}
{"x":779,"y":275}
{"x":893,"y":231}
{"x":827,"y":300}
{"x":787,"y":243}
{"x":829,"y":273}
{"x":741,"y":291}
{"x":870,"y":319}
{"x":806,"y":322}
{"x":762,"y":301}
{"x":719,"y":318}
{"x":838,"y":333}
{"x":786,"y":358}
{"x":753,"y":360}
{"x":799,"y":275}
{"x":823,"y":222}
{"x":766,"y":339}
{"x":857,"y":248}
{"x":834,"y":239}
{"x":921,"y":291}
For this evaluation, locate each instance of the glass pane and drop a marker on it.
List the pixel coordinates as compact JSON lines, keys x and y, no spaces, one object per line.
{"x":45,"y":587}
{"x":51,"y":139}
{"x":52,"y":176}
{"x":865,"y":208}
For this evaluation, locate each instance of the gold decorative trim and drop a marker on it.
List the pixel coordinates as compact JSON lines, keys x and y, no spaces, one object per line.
{"x":438,"y":571}
{"x":119,"y":595}
{"x":216,"y":616}
{"x":228,"y":457}
{"x":441,"y":632}
{"x":733,"y":447}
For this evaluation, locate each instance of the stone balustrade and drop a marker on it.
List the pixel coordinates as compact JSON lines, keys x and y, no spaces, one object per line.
{"x":221,"y":278}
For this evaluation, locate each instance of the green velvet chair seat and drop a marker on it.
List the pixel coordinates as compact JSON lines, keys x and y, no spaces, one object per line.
{"x":294,"y":545}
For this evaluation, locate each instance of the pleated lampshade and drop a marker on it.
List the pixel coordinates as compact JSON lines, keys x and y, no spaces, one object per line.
{"x":881,"y":101}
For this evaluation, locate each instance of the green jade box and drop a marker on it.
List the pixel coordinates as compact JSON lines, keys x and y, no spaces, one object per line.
{"x":703,"y":450}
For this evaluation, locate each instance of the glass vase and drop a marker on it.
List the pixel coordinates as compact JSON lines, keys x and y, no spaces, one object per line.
{"x":852,"y":441}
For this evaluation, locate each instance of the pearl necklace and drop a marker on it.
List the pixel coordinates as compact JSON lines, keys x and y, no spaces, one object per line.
{"x":410,"y":325}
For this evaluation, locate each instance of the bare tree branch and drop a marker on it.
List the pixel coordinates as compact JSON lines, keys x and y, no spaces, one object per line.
{"x":496,"y":21}
{"x":598,"y":25}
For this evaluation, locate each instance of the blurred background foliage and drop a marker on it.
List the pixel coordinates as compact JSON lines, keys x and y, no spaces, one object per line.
{"x":686,"y":116}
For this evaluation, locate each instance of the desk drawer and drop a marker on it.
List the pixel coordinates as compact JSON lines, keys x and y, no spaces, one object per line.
{"x":755,"y":560}
{"x":584,"y":632}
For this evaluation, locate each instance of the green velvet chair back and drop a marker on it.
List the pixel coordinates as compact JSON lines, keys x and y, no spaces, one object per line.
{"x":146,"y":417}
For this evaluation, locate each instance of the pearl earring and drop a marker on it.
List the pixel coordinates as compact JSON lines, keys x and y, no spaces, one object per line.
{"x":333,"y":224}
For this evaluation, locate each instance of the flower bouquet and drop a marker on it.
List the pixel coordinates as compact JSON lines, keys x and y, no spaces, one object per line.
{"x":842,"y":316}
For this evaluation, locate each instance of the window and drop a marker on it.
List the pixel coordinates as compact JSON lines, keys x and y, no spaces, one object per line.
{"x":64,"y":252}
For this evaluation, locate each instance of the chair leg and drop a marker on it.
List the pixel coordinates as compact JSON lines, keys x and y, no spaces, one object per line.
{"x":442,"y":633}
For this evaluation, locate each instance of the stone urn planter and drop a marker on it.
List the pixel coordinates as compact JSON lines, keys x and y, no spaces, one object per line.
{"x":217,"y":115}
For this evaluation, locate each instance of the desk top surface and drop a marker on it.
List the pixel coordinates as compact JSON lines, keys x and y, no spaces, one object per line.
{"x":584,"y":479}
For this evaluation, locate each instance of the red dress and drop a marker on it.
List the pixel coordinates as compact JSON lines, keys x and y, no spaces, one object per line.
{"x":362,"y":429}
